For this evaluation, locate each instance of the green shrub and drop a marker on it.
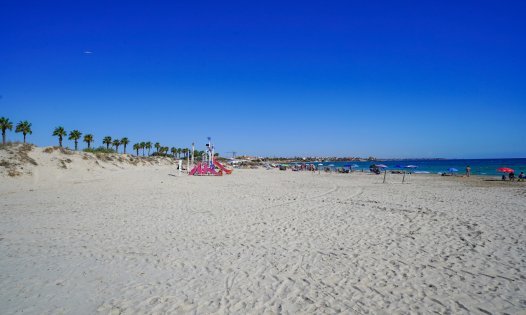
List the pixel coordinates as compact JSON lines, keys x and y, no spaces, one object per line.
{"x":99,"y":150}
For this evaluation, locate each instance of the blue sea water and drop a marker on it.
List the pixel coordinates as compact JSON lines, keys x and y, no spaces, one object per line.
{"x":478,"y":166}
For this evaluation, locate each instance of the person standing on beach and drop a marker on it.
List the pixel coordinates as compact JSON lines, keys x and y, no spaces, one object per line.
{"x":468,"y":171}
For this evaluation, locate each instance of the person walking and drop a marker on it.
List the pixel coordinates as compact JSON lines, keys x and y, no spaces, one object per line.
{"x":468,"y":171}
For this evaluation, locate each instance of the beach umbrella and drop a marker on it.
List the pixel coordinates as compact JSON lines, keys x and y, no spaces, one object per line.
{"x":411,"y":166}
{"x":452,"y":169}
{"x":505,"y":170}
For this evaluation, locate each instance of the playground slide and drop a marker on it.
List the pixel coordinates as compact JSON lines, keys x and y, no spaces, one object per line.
{"x":213,"y":171}
{"x":221,"y":167}
{"x":197,"y":170}
{"x":205,"y":169}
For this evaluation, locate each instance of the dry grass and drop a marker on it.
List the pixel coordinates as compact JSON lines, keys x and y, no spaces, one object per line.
{"x":62,"y":164}
{"x":18,"y":156}
{"x":65,"y":151}
{"x":7,"y":164}
{"x":9,"y":145}
{"x":23,"y":151}
{"x":13,"y":173}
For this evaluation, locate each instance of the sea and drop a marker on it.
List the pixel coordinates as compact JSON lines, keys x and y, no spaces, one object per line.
{"x":487,"y":167}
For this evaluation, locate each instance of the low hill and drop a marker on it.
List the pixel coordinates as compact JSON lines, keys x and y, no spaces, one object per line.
{"x":21,"y":160}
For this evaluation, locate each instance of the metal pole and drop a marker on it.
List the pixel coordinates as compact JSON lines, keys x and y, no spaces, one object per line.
{"x":209,"y":151}
{"x":385,"y":174}
{"x":193,"y":149}
{"x":188,"y":164}
{"x":180,"y":166}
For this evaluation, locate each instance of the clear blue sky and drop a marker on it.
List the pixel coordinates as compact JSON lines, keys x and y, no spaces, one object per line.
{"x":345,"y":78}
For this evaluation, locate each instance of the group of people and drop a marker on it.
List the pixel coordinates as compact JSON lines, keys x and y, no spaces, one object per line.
{"x":511,"y":177}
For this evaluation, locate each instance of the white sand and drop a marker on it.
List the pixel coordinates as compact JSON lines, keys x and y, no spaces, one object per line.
{"x":128,"y":239}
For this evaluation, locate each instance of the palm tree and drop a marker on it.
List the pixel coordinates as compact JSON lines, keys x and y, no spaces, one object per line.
{"x":136,"y":147}
{"x":75,"y":136}
{"x":116,"y":143}
{"x":107,"y":141}
{"x":5,"y":124}
{"x":25,"y":128}
{"x":185,"y":151}
{"x":143,"y":145}
{"x":59,"y":132}
{"x":124,"y":142}
{"x":88,"y":139}
{"x":157,"y":146}
{"x":148,"y":146}
{"x":173,"y":151}
{"x":199,"y":154}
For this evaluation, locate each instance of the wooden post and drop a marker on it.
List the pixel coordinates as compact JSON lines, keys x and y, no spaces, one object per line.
{"x":403,"y":178}
{"x":385,"y":174}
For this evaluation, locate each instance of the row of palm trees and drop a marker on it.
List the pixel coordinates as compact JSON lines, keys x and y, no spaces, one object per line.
{"x":23,"y":127}
{"x":75,"y":135}
{"x":116,"y":143}
{"x":159,"y":149}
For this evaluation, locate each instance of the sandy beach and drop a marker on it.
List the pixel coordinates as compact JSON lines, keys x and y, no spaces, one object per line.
{"x":114,"y":237}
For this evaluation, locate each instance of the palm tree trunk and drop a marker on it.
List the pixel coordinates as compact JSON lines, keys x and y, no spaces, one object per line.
{"x":75,"y":145}
{"x":3,"y":137}
{"x":24,"y":138}
{"x":124,"y":149}
{"x":88,"y":144}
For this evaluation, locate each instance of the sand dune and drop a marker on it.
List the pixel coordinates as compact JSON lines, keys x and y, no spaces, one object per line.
{"x":128,"y":239}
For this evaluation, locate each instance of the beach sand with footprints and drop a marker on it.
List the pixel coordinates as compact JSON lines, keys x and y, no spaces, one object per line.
{"x":81,"y":235}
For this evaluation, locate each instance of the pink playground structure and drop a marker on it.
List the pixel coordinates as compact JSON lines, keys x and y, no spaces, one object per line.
{"x":209,"y":165}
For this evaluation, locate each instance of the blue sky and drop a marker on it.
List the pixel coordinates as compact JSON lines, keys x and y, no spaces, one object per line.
{"x":275,"y":78}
